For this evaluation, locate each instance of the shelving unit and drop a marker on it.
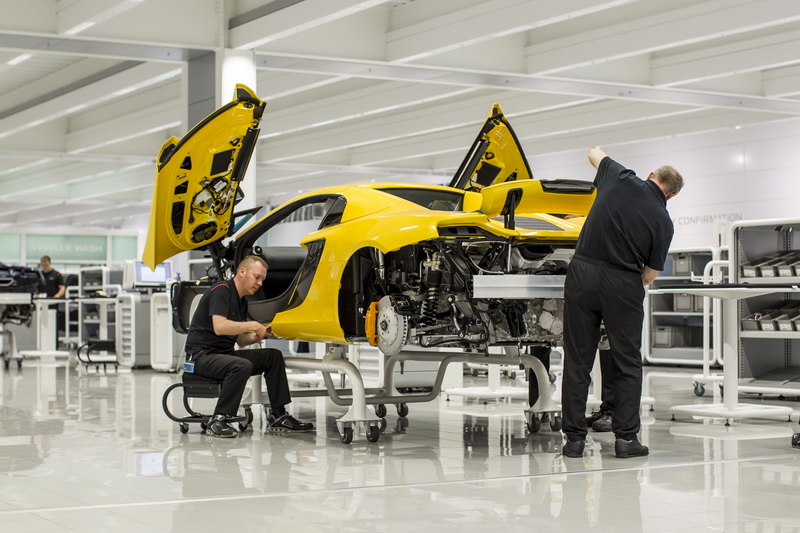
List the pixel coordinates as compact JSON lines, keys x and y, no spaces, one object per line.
{"x":132,"y":336}
{"x":673,"y":328}
{"x":97,"y":304}
{"x":94,"y":279}
{"x":72,"y":319}
{"x":768,"y":346}
{"x":97,"y":319}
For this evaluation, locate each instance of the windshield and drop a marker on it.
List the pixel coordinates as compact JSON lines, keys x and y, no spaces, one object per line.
{"x":429,"y":198}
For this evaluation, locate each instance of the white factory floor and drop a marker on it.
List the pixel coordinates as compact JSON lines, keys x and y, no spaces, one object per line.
{"x":95,"y":453}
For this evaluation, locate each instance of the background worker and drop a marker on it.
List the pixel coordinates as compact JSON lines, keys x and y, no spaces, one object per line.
{"x":51,"y":285}
{"x":52,"y":282}
{"x":622,"y":247}
{"x":219,"y":323}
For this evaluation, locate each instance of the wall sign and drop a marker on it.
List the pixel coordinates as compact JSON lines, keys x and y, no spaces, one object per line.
{"x":66,"y":247}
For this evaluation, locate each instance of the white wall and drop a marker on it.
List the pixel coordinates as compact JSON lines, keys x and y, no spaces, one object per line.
{"x":738,"y":174}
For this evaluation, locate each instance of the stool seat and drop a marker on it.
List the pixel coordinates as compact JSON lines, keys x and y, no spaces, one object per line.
{"x":188,"y":378}
{"x":195,"y":386}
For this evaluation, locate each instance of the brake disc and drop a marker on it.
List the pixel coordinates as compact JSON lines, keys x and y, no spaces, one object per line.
{"x":392,"y":327}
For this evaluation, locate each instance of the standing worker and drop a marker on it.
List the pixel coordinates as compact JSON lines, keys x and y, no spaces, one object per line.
{"x":52,"y":282}
{"x":51,"y":285}
{"x":622,"y":247}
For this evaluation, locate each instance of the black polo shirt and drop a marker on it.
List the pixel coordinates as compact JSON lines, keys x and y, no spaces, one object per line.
{"x":221,"y":299}
{"x":628,"y":225}
{"x":51,"y":281}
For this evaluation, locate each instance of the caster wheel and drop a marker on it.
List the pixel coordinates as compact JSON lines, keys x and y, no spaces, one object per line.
{"x":346,"y":436}
{"x":5,"y":363}
{"x":373,"y":433}
{"x":699,"y":389}
{"x":249,"y":414}
{"x":555,"y":423}
{"x":184,"y":428}
{"x":19,"y":364}
{"x":534,"y":425}
{"x":402,"y":424}
{"x":402,"y":409}
{"x":380,"y":410}
{"x":552,"y":377}
{"x":512,"y":375}
{"x":243,"y":426}
{"x":474,"y":372}
{"x":722,"y":390}
{"x":203,"y":426}
{"x":796,"y":440}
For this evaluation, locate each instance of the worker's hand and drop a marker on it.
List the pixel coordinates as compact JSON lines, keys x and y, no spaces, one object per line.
{"x":259,"y":331}
{"x":268,"y":329}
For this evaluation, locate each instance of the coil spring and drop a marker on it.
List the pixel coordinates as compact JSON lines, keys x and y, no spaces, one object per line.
{"x":429,"y":307}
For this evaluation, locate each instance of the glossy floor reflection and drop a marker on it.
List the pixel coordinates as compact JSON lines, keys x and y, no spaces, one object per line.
{"x":95,"y":453}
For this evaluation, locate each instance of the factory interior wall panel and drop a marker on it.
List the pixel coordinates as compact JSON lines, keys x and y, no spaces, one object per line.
{"x":742,"y":173}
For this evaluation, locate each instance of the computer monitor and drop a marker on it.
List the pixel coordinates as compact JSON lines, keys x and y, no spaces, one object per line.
{"x":138,"y":274}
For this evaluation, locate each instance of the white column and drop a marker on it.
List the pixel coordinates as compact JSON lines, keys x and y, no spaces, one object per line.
{"x":239,"y":66}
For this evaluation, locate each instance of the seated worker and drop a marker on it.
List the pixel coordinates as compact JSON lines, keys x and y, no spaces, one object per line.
{"x":220,"y":321}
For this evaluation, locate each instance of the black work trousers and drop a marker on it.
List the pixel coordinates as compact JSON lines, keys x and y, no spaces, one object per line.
{"x":235,"y":370}
{"x":595,"y":292}
{"x":607,"y":367}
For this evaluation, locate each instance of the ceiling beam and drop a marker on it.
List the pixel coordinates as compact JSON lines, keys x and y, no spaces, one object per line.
{"x":97,"y":47}
{"x":482,"y":22}
{"x":292,"y":20}
{"x":701,"y":22}
{"x":158,"y":117}
{"x":79,"y":15}
{"x":380,"y":128}
{"x":64,"y":156}
{"x":95,"y":93}
{"x":52,"y":175}
{"x":781,"y":82}
{"x":746,"y":55}
{"x":106,"y":214}
{"x":466,"y":78}
{"x":358,"y":104}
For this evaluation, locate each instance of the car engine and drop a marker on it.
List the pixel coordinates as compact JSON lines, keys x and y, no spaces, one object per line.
{"x":429,"y":295}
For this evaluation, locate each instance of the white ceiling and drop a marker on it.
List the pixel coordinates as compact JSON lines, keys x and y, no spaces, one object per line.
{"x":366,"y":90}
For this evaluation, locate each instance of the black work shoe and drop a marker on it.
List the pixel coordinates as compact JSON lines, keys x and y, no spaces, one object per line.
{"x":603,"y":424}
{"x":592,"y":418}
{"x":630,"y":448}
{"x":573,"y":448}
{"x":218,"y":427}
{"x":288,"y":423}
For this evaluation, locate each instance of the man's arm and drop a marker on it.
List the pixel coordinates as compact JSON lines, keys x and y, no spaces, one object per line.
{"x":595,"y":156}
{"x":225,"y":326}
{"x":61,"y":290}
{"x":648,"y":276}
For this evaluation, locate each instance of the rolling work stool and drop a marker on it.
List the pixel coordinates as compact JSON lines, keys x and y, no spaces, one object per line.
{"x":195,"y":386}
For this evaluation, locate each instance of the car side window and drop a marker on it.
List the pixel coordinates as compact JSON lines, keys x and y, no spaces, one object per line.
{"x":334,"y":209}
{"x":289,"y":225}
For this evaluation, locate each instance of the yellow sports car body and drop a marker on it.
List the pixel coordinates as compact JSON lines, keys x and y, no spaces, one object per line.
{"x":477,"y":263}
